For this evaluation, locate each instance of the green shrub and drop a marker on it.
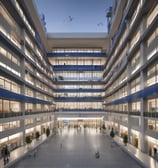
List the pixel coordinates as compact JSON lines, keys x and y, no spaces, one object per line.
{"x":47,"y":132}
{"x":37,"y":134}
{"x":28,"y":139}
{"x":125,"y":139}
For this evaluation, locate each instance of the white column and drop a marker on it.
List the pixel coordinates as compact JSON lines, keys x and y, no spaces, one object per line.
{"x":22,"y":67}
{"x":143,"y":104}
{"x":129,"y":88}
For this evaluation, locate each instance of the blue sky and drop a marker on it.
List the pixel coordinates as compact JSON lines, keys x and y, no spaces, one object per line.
{"x":74,"y":15}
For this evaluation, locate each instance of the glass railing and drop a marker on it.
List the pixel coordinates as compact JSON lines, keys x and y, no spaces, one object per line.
{"x":24,"y":17}
{"x":78,"y":99}
{"x":78,"y":68}
{"x":10,"y":114}
{"x":151,"y":114}
{"x":77,"y":54}
{"x":10,"y":69}
{"x":79,"y":110}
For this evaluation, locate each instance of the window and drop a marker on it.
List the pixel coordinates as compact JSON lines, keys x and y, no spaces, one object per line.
{"x":152,"y":105}
{"x":9,"y":85}
{"x":152,"y":15}
{"x":135,"y":85}
{"x":152,"y":75}
{"x":135,"y":62}
{"x":152,"y":47}
{"x":9,"y":125}
{"x":135,"y":106}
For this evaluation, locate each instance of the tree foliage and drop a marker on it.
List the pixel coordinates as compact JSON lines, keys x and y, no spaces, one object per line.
{"x":47,"y":132}
{"x":28,"y":139}
{"x":37,"y":134}
{"x":125,"y":139}
{"x":112,"y":134}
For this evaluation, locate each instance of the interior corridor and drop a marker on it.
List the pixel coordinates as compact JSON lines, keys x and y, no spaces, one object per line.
{"x":75,"y":148}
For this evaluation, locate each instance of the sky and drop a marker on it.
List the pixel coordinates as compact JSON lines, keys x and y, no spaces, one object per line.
{"x":74,"y":15}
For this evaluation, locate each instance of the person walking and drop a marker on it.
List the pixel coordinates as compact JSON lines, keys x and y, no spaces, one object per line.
{"x":6,"y":153}
{"x":3,"y":154}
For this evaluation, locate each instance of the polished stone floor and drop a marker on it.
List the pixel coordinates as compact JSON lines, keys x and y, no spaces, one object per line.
{"x":75,"y":148}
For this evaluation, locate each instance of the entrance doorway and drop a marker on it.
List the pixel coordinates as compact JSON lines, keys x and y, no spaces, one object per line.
{"x":80,"y":122}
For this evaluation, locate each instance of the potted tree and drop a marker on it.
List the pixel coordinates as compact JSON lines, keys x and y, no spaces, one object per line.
{"x":125,"y":139}
{"x":28,"y":139}
{"x":112,"y":134}
{"x":47,"y":132}
{"x":37,"y":135}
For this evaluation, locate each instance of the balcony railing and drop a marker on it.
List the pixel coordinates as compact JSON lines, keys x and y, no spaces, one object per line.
{"x":79,"y":110}
{"x":10,"y":114}
{"x":135,"y":113}
{"x":61,"y":78}
{"x":132,"y":113}
{"x":151,"y":114}
{"x":80,"y":90}
{"x":146,"y":92}
{"x":77,"y":54}
{"x":19,"y":97}
{"x":78,"y":68}
{"x":17,"y":114}
{"x":78,"y":99}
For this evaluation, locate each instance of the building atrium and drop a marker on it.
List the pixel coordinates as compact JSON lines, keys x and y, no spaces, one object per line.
{"x":51,"y":83}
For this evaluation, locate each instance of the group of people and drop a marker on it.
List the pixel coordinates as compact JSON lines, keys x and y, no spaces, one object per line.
{"x":5,"y":154}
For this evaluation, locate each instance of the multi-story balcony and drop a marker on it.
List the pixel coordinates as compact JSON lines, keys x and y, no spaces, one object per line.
{"x":80,"y":90}
{"x":77,"y":54}
{"x":147,"y":92}
{"x":78,"y":68}
{"x":79,"y":110}
{"x":6,"y":94}
{"x":78,"y":99}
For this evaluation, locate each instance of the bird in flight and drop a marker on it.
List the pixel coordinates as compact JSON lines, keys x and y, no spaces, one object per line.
{"x":69,"y":19}
{"x":100,"y":24}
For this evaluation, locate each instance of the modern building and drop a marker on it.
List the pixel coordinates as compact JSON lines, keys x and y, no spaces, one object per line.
{"x":51,"y":80}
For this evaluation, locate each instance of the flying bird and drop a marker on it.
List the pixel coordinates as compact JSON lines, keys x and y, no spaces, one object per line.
{"x":100,"y":24}
{"x":69,"y":19}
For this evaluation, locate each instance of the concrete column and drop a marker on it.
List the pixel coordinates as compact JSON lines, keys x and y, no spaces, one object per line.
{"x":142,"y":123}
{"x":55,"y":122}
{"x":129,"y":110}
{"x":22,"y":61}
{"x":143,"y":126}
{"x":22,"y":91}
{"x":22,"y":125}
{"x":143,"y":103}
{"x":129,"y":121}
{"x":34,"y":108}
{"x":128,"y":86}
{"x":23,"y":40}
{"x":143,"y":55}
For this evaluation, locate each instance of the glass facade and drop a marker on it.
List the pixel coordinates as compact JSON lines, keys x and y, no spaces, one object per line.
{"x":26,"y":88}
{"x":76,"y":69}
{"x":131,"y":97}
